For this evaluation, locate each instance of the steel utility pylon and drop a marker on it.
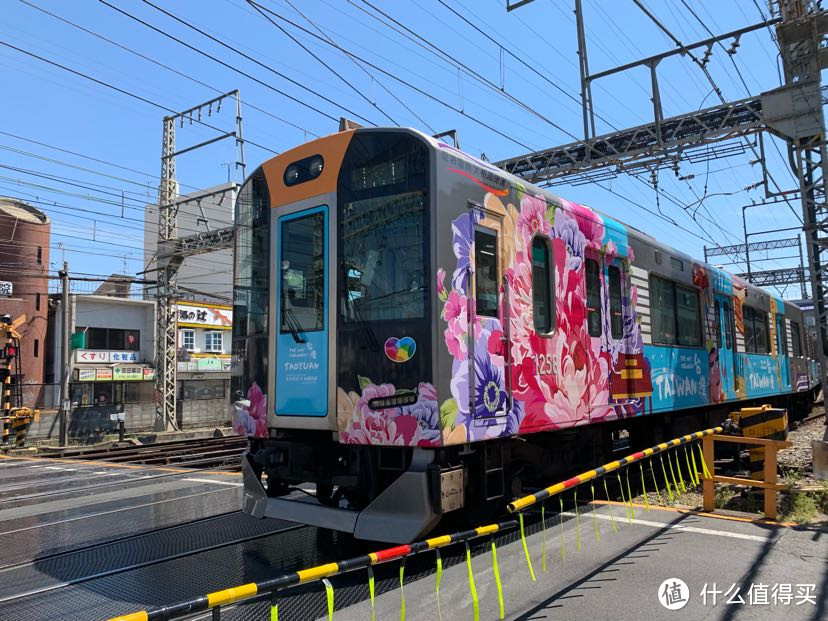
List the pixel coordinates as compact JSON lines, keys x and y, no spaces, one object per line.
{"x":172,"y":250}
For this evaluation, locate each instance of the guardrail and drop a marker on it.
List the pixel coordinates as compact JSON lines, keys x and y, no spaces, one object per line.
{"x":216,"y":600}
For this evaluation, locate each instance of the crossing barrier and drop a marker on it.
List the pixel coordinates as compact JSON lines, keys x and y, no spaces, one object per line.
{"x":275,"y":587}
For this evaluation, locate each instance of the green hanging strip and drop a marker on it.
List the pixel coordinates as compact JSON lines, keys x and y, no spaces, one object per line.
{"x":543,"y":537}
{"x":624,"y":500}
{"x":666,"y":480}
{"x":402,"y":590}
{"x":577,"y":523}
{"x":472,"y":589}
{"x":526,"y":547}
{"x":689,"y":469}
{"x":329,"y":593}
{"x":695,"y":467}
{"x":437,"y":583}
{"x":371,"y":589}
{"x":680,"y":485}
{"x":496,"y":570}
{"x":612,"y":513}
{"x":704,"y":463}
{"x":594,"y":514}
{"x":274,"y":607}
{"x":563,"y":541}
{"x":629,"y":492}
{"x":644,"y":487}
{"x":655,"y":482}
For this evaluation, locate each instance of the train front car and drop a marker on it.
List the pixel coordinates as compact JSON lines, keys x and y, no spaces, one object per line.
{"x":335,"y":384}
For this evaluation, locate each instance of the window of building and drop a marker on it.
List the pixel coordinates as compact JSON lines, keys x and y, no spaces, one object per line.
{"x":37,"y":301}
{"x":616,"y":307}
{"x":213,"y":341}
{"x":796,"y":343}
{"x":111,"y":338}
{"x":36,"y":348}
{"x":188,"y":339}
{"x":756,"y":330}
{"x":676,"y":314}
{"x":593,"y":291}
{"x":542,"y":285}
{"x":39,"y":255}
{"x":485,"y":271}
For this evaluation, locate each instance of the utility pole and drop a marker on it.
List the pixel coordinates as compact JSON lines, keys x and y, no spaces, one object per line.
{"x":65,"y":355}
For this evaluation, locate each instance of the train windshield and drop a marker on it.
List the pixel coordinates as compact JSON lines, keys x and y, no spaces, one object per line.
{"x":382,"y":194}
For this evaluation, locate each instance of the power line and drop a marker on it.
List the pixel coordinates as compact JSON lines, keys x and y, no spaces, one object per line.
{"x":120,"y":90}
{"x":160,"y":64}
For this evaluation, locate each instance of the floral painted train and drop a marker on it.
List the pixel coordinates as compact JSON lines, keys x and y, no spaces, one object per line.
{"x":419,"y":333}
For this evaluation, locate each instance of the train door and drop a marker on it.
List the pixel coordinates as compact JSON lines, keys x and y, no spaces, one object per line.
{"x":725,"y":344}
{"x":302,"y":323}
{"x":490,"y":399}
{"x":628,"y":380}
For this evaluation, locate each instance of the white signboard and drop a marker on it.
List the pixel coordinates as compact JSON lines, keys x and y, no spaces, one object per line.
{"x":197,"y":316}
{"x":6,"y":288}
{"x":88,"y":355}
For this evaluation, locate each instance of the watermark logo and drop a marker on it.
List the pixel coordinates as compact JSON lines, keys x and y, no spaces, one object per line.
{"x":673,"y":594}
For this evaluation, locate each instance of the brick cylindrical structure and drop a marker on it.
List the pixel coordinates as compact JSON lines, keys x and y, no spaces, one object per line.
{"x":24,"y":262}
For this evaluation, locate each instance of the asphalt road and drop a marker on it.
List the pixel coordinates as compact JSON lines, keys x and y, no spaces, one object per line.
{"x":620,"y":577}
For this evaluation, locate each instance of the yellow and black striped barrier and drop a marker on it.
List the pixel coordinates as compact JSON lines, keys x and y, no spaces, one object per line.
{"x":322,"y":572}
{"x":531,"y":499}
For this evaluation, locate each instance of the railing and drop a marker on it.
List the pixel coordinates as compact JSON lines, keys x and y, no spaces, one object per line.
{"x":769,"y":485}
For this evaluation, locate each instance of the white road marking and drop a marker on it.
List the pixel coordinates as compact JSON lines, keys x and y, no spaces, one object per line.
{"x":59,"y":468}
{"x":689,"y":529}
{"x":215,"y":482}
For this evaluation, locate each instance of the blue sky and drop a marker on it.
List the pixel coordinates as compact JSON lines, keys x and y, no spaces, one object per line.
{"x":54,"y":107}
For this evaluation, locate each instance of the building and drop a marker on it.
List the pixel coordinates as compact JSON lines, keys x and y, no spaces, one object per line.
{"x":206,"y":275}
{"x":24,"y":286}
{"x":113,"y":347}
{"x":204,"y":342}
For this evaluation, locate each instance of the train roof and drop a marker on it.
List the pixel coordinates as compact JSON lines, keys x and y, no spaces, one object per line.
{"x":336,"y":144}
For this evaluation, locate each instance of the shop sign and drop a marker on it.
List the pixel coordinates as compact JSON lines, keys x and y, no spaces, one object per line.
{"x":86,"y":375}
{"x":204,"y":316}
{"x":128,"y":374}
{"x":87,"y":355}
{"x":6,"y":288}
{"x":149,"y":374}
{"x":103,"y":375}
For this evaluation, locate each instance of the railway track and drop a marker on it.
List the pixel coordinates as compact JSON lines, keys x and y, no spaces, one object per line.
{"x":198,"y":453}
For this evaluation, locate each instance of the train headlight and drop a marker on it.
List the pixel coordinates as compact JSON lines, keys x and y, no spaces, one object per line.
{"x":315,"y":166}
{"x":292,"y":174}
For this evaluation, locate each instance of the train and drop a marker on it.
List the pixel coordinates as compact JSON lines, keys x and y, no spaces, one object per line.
{"x":419,"y":335}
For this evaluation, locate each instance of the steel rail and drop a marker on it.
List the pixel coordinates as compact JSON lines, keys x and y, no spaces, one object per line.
{"x":552,"y":490}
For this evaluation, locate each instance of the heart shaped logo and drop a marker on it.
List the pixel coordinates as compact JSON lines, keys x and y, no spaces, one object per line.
{"x":400,"y":350}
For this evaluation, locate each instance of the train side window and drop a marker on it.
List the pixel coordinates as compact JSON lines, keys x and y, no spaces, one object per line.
{"x":796,"y":343}
{"x":542,"y":285}
{"x":688,"y":317}
{"x":616,"y":308}
{"x":663,"y":311}
{"x":781,"y":337}
{"x":485,"y":270}
{"x":593,"y":294}
{"x":756,"y":331}
{"x":728,"y":326}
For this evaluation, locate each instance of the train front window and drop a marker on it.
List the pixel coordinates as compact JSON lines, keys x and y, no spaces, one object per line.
{"x":382,"y":194}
